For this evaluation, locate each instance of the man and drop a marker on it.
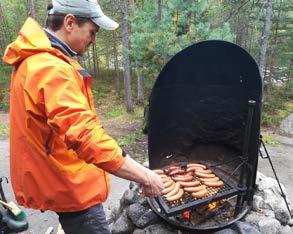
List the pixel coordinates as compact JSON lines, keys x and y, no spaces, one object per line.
{"x":59,"y":151}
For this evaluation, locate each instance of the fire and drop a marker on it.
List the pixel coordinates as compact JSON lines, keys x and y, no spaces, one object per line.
{"x":186,"y":214}
{"x":212,"y":205}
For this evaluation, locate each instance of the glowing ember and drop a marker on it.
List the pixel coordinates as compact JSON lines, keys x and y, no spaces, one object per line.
{"x":212,"y":205}
{"x":186,"y":214}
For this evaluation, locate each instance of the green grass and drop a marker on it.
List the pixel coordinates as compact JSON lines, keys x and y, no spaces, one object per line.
{"x":4,"y":131}
{"x":126,"y":141}
{"x":268,"y":139}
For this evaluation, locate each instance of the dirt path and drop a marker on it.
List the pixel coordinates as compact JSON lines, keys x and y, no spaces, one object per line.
{"x":281,"y":154}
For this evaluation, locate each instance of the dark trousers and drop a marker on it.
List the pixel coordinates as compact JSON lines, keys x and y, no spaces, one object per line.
{"x":89,"y":221}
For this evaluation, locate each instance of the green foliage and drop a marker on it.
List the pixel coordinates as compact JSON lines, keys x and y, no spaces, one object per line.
{"x":128,"y":140}
{"x":268,"y":139}
{"x":4,"y":131}
{"x":183,"y":23}
{"x":276,"y":107}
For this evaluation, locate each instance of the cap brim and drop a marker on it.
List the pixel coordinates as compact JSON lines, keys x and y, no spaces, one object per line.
{"x":105,"y":22}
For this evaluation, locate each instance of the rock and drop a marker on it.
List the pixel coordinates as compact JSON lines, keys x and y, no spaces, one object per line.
{"x":141,"y":217}
{"x":290,"y":222}
{"x":269,"y":226}
{"x":225,"y":231}
{"x":139,"y":231}
{"x":244,"y":228}
{"x":258,"y":203}
{"x":253,"y":218}
{"x":159,"y":229}
{"x":282,"y":215}
{"x":122,"y":225}
{"x":287,"y":230}
{"x":129,"y":197}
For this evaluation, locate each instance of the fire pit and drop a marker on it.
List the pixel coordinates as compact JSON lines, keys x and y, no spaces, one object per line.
{"x":205,"y":108}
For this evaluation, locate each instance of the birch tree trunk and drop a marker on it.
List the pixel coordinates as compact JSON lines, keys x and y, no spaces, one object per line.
{"x":31,"y":8}
{"x":116,"y":65}
{"x":126,"y":58}
{"x":265,"y":38}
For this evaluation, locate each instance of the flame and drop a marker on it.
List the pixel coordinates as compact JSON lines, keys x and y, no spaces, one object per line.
{"x":212,"y":205}
{"x":186,"y":214}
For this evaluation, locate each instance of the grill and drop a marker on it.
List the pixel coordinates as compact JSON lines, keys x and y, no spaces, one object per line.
{"x":205,"y":107}
{"x":187,"y":202}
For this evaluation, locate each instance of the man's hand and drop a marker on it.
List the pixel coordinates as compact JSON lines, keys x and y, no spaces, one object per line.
{"x":150,"y":182}
{"x":154,"y":185}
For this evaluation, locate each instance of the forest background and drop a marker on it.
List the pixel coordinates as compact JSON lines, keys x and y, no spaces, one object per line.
{"x":126,"y":62}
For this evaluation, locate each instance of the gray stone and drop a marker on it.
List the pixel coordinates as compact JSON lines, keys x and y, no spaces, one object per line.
{"x":258,"y":203}
{"x":139,"y":231}
{"x":122,"y":225}
{"x":159,"y":229}
{"x":290,"y":222}
{"x":142,"y":217}
{"x":244,"y":228}
{"x":129,"y":197}
{"x":287,"y":230}
{"x":286,"y":126}
{"x":253,"y":218}
{"x":282,"y":215}
{"x":226,"y":231}
{"x":269,"y":226}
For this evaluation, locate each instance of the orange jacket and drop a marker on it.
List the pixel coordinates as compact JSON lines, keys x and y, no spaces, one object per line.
{"x":59,"y":151}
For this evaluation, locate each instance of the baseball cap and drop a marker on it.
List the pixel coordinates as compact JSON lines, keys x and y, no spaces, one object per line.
{"x":84,"y":8}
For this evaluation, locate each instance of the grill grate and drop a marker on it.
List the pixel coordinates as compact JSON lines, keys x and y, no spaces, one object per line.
{"x":187,"y":202}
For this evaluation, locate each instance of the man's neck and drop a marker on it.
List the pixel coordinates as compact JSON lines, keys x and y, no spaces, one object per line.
{"x":59,"y":41}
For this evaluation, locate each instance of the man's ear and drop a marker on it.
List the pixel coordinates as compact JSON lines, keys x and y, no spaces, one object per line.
{"x":69,"y":22}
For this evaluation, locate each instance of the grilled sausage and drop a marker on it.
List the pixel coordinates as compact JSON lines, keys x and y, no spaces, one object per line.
{"x":176,"y":196}
{"x":168,"y":189}
{"x":189,"y":183}
{"x":168,"y":183}
{"x":174,"y":191}
{"x":163,"y":176}
{"x":205,"y":171}
{"x":200,"y":194}
{"x":159,"y":171}
{"x":165,"y":180}
{"x":194,"y":189}
{"x":214,"y":183}
{"x":183,"y":178}
{"x":209,"y":179}
{"x":196,"y":165}
{"x":203,"y":175}
{"x":170,"y":169}
{"x":193,"y":169}
{"x":176,"y":172}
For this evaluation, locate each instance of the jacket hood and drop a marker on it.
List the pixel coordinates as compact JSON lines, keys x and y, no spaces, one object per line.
{"x":31,"y":40}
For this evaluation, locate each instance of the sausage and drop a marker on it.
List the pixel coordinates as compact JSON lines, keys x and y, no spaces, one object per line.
{"x":203,"y":175}
{"x":189,"y":183}
{"x":183,"y":178}
{"x":177,"y":171}
{"x":194,"y":189}
{"x":214,"y":183}
{"x":165,"y":180}
{"x":196,"y":165}
{"x":192,"y":169}
{"x":209,"y":179}
{"x":205,"y":171}
{"x":168,"y":189}
{"x":163,"y":176}
{"x":200,"y":194}
{"x":170,"y":169}
{"x":159,"y":171}
{"x":174,"y":191}
{"x":176,"y":196}
{"x":168,"y":183}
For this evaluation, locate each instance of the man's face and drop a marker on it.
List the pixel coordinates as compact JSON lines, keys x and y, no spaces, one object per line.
{"x":81,"y":37}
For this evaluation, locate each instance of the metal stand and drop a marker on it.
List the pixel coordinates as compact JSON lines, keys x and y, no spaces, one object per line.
{"x":275,"y":174}
{"x":244,"y":158}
